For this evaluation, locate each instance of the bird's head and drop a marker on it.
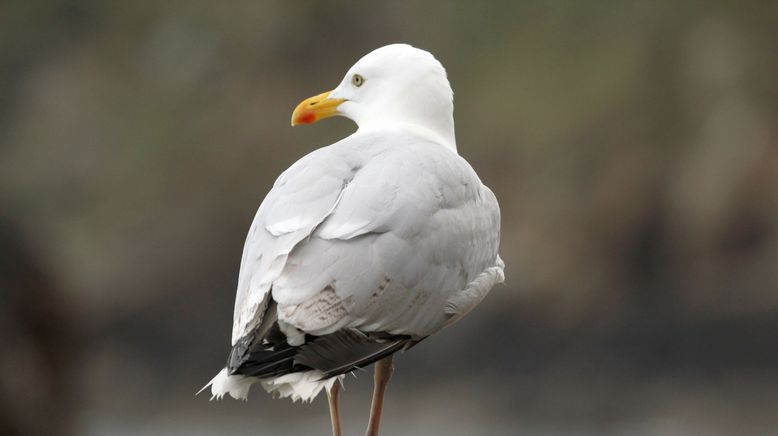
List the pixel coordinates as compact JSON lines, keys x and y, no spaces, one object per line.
{"x":394,"y":85}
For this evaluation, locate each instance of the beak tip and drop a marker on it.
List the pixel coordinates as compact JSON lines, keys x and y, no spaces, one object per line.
{"x":305,"y":117}
{"x":315,"y":108}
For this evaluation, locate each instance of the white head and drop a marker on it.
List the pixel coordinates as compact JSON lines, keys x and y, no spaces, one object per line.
{"x":395,"y":85}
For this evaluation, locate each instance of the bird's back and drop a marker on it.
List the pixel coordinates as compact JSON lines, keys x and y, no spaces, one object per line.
{"x":394,"y":226}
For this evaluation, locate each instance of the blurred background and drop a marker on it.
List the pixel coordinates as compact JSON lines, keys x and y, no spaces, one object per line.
{"x":632,"y":145}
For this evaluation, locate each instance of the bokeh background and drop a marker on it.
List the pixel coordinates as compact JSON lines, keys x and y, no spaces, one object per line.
{"x":632,"y":145}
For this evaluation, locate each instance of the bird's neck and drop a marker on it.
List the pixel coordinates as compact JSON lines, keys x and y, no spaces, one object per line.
{"x":439,"y":130}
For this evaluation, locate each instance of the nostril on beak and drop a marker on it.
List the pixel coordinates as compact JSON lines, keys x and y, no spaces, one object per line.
{"x":313,"y":103}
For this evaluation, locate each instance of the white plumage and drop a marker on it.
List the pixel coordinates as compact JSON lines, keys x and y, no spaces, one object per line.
{"x":388,"y":230}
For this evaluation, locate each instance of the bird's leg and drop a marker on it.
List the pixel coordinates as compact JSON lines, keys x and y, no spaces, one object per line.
{"x":333,"y":395}
{"x":383,"y":372}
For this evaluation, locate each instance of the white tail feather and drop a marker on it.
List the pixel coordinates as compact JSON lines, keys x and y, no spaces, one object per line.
{"x":235,"y":385}
{"x":304,"y":386}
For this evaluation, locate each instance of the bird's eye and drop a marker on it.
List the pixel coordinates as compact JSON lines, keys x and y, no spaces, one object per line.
{"x":357,"y":80}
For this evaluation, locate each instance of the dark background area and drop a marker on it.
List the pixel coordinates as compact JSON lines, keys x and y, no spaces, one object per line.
{"x":632,"y":146}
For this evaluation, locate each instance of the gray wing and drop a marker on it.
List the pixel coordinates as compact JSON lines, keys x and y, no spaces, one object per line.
{"x":377,"y":237}
{"x":361,"y":249}
{"x":412,"y":229}
{"x":302,"y":197}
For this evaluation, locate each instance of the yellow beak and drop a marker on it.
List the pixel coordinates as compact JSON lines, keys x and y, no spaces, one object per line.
{"x":316,"y":108}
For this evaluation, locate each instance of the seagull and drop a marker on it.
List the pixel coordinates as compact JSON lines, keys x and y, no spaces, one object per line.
{"x":367,"y":246}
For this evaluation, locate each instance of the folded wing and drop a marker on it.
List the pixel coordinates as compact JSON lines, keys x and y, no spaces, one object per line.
{"x":361,"y":247}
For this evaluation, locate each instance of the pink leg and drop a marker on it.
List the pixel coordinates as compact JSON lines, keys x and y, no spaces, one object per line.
{"x":333,"y":395}
{"x":383,"y":372}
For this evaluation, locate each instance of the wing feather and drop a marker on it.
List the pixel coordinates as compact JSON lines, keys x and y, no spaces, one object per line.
{"x":361,"y":249}
{"x":302,"y":197}
{"x":413,"y":227}
{"x":372,"y":234}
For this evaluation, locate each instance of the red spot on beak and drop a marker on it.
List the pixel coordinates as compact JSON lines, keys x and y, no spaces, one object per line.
{"x":307,"y":117}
